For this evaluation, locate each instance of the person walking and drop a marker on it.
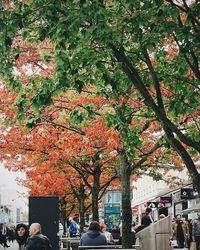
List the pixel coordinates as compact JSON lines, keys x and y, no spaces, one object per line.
{"x":11,"y":234}
{"x":180,"y":231}
{"x":21,"y":235}
{"x":147,"y":218}
{"x":196,"y":231}
{"x":189,"y":222}
{"x":4,"y":235}
{"x":37,"y":241}
{"x":93,"y":237}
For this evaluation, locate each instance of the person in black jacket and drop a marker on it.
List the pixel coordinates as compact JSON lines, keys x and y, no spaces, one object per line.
{"x":21,"y":234}
{"x":147,"y":219}
{"x":37,"y":241}
{"x":4,"y":235}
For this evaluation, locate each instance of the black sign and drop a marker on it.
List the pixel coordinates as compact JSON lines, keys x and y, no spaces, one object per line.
{"x":187,"y":193}
{"x":166,"y":199}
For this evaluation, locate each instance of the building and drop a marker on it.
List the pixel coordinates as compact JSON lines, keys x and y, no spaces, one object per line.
{"x":182,"y":199}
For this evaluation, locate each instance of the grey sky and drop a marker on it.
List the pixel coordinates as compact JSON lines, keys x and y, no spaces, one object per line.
{"x":9,"y":188}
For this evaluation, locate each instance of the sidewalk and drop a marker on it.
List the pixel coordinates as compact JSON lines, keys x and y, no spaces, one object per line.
{"x":13,"y":246}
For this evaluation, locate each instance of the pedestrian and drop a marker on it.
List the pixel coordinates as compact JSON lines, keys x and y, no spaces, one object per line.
{"x":4,"y":235}
{"x":72,"y":227}
{"x":196,"y":231}
{"x":133,"y":233}
{"x":37,"y":241}
{"x":147,"y":218}
{"x":11,"y":234}
{"x":93,"y":237}
{"x":180,"y":231}
{"x":21,"y":234}
{"x":108,"y":235}
{"x":189,"y":222}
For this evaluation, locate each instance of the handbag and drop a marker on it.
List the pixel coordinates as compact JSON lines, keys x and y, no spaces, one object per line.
{"x":193,"y":246}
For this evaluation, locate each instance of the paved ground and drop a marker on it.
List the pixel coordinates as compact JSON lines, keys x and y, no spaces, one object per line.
{"x":13,"y":246}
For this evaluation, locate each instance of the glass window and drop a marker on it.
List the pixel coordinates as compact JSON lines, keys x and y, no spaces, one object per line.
{"x":113,"y":197}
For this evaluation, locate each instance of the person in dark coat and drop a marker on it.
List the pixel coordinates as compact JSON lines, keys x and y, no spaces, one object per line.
{"x":147,"y":218}
{"x":11,"y":234}
{"x":37,"y":241}
{"x":93,"y":237}
{"x":180,"y":231}
{"x":21,"y":235}
{"x":4,"y":235}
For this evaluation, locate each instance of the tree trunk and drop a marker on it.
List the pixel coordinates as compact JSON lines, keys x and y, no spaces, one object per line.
{"x":125,"y":174}
{"x":185,"y":157}
{"x":82,"y":208}
{"x":95,"y":194}
{"x":168,"y":126}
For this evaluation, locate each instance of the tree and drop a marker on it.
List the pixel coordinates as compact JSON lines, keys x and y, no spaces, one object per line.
{"x":121,"y":48}
{"x":53,"y":146}
{"x":133,"y":45}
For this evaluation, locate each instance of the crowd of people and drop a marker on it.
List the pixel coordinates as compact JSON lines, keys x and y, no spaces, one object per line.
{"x":27,"y":239}
{"x":6,"y":235}
{"x":184,"y":233}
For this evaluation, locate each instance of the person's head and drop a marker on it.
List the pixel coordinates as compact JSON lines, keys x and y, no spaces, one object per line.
{"x":21,"y":232}
{"x":178,"y":217}
{"x":161,"y":216}
{"x":35,"y":228}
{"x":198,"y":215}
{"x":94,"y":225}
{"x":102,"y":227}
{"x":70,"y":219}
{"x":148,"y":210}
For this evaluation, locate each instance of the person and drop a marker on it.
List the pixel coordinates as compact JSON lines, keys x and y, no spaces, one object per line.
{"x":93,"y":237}
{"x":147,"y":218}
{"x":21,"y":235}
{"x":189,"y":223}
{"x":11,"y":234}
{"x":4,"y":235}
{"x":108,"y":235}
{"x":37,"y":241}
{"x":120,"y":233}
{"x":196,"y":231}
{"x":180,"y":231}
{"x":60,"y":233}
{"x":161,"y":216}
{"x":72,"y":227}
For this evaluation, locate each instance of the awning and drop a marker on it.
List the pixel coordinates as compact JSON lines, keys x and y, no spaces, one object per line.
{"x":195,"y":208}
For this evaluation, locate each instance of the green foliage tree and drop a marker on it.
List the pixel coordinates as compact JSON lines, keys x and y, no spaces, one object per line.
{"x":147,"y":51}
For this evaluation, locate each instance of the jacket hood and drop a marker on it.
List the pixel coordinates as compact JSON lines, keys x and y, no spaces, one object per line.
{"x":93,"y":234}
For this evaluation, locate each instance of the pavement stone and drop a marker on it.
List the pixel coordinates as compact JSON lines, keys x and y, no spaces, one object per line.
{"x":13,"y":246}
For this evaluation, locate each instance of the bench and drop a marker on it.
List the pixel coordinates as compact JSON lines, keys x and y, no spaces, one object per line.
{"x":70,"y":243}
{"x":110,"y":247}
{"x":73,"y":244}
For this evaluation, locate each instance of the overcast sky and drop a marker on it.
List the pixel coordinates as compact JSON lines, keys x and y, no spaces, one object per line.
{"x":9,"y":188}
